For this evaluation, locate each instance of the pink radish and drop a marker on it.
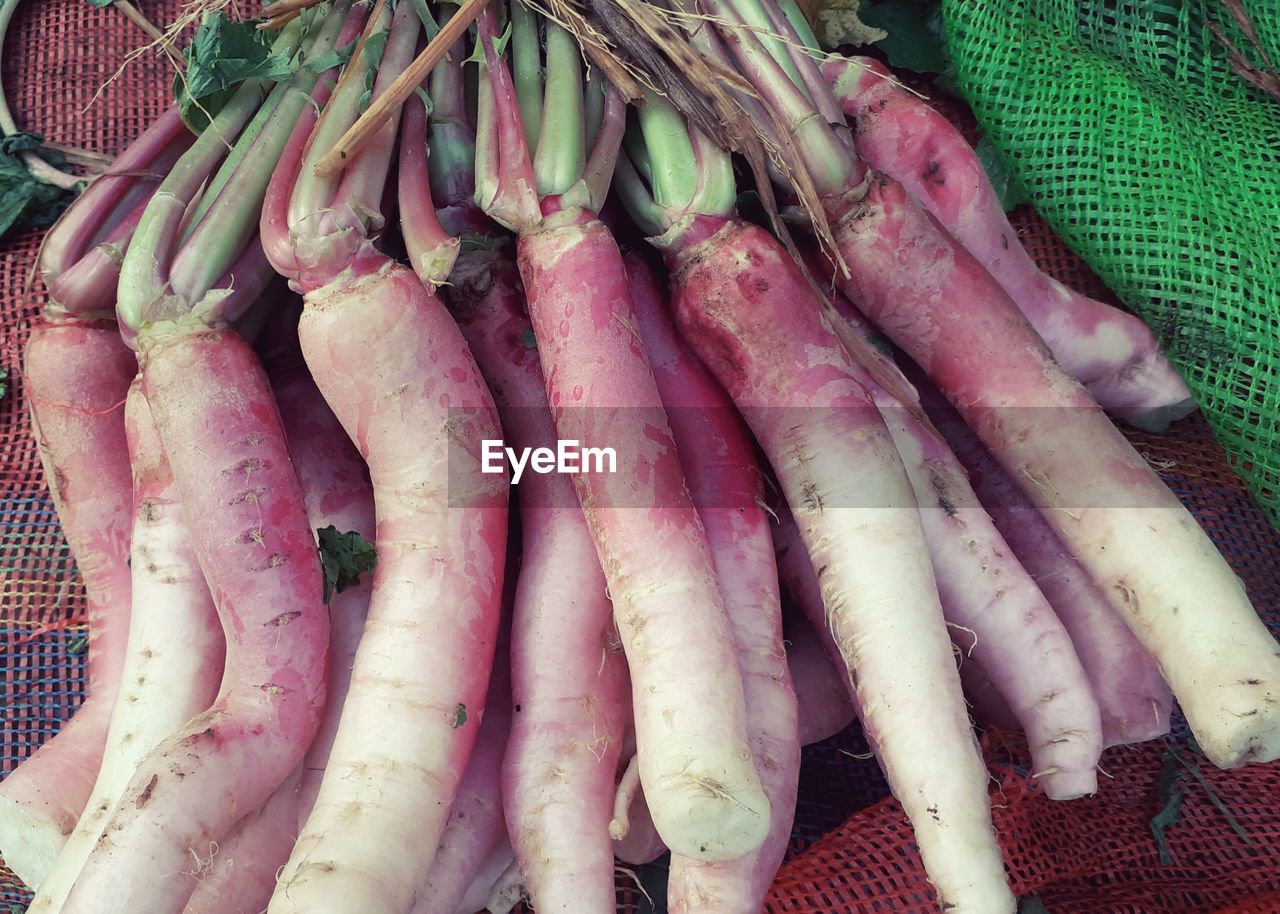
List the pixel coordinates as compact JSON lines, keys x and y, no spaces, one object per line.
{"x":183,"y":282}
{"x":996,"y":613}
{"x":702,"y":788}
{"x":1134,"y":700}
{"x":1112,"y":353}
{"x":216,"y":416}
{"x":822,"y":691}
{"x":736,"y":293}
{"x":726,"y":485}
{"x":173,"y":663}
{"x":750,"y":313}
{"x":78,"y":421}
{"x":1133,"y":536}
{"x":417,"y":413}
{"x":337,"y":493}
{"x":567,"y":732}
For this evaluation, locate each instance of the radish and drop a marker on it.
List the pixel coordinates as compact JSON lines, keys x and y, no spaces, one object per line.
{"x":822,"y":691}
{"x":1137,"y":541}
{"x":417,"y":414}
{"x":726,"y":484}
{"x":568,"y":680}
{"x":566,"y":736}
{"x":996,"y":613}
{"x":989,"y":707}
{"x":1134,"y":700}
{"x":493,"y":869}
{"x":162,"y":687}
{"x":337,"y":494}
{"x":849,"y":493}
{"x":78,"y":420}
{"x":745,"y":307}
{"x":1112,"y":353}
{"x":999,"y":617}
{"x":239,"y":874}
{"x":476,"y":828}
{"x":78,"y":372}
{"x":221,"y":430}
{"x":703,"y":790}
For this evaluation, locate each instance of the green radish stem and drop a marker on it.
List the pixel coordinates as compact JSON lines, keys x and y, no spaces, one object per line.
{"x":560,"y":154}
{"x":526,"y":69}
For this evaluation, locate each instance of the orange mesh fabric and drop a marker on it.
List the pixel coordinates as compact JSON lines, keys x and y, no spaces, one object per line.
{"x":1093,"y":856}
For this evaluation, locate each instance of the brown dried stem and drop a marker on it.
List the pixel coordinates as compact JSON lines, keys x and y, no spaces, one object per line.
{"x":388,"y":104}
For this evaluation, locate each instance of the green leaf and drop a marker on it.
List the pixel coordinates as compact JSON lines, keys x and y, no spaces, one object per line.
{"x":344,"y":557}
{"x":528,"y":340}
{"x":374,"y":49}
{"x":1031,"y":905}
{"x":4,"y":386}
{"x":1194,"y":770}
{"x":913,"y":39}
{"x":223,"y":54}
{"x":15,"y":143}
{"x":1169,"y":790}
{"x":26,"y":202}
{"x":334,"y":57}
{"x":479,"y":241}
{"x":1008,"y":189}
{"x":100,"y":4}
{"x":1175,"y":776}
{"x":78,"y":646}
{"x":459,"y":716}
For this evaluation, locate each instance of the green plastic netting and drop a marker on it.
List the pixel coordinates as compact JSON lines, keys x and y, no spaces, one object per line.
{"x":1161,"y":167}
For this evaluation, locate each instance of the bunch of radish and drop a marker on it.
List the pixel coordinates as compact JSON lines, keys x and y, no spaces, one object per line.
{"x":339,"y":664}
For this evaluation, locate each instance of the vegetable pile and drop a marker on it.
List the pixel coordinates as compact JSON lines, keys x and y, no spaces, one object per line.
{"x":340,"y":665}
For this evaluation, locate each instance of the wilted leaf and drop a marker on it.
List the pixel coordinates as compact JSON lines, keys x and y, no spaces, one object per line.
{"x":26,"y":202}
{"x":344,"y":557}
{"x":838,"y":22}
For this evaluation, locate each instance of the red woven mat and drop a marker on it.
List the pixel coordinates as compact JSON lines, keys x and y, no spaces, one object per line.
{"x":1095,"y":856}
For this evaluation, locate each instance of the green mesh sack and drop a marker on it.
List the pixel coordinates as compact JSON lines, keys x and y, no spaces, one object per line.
{"x":1133,"y":137}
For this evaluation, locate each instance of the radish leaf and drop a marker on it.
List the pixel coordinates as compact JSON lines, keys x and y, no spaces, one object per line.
{"x":223,"y":54}
{"x":25,"y":201}
{"x":344,"y":557}
{"x":1169,"y":791}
